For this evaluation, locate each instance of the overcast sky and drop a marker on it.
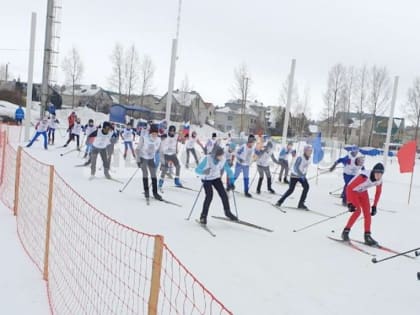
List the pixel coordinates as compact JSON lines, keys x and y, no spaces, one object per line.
{"x":218,"y":35}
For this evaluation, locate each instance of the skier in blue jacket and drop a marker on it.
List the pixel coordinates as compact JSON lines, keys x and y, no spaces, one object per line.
{"x":210,"y":170}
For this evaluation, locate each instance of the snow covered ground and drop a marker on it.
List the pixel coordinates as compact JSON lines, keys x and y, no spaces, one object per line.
{"x":22,"y":290}
{"x":257,"y":272}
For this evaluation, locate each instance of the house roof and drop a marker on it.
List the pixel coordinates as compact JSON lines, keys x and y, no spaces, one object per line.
{"x":185,"y":98}
{"x":81,"y":90}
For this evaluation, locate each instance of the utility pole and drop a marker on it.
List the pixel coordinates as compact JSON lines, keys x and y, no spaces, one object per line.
{"x":173,"y":65}
{"x":391,"y":120}
{"x":244,"y":97}
{"x":289,"y":102}
{"x":7,"y":71}
{"x":30,"y":77}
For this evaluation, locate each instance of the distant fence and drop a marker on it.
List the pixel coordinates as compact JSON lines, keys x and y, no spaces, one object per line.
{"x":92,"y":264}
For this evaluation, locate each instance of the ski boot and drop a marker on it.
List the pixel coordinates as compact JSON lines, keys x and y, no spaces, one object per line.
{"x":302,"y":206}
{"x":260,"y":180}
{"x":270,"y":190}
{"x":285,"y":181}
{"x":345,"y":235}
{"x":231,"y":216}
{"x":247,"y":194}
{"x":177,"y":182}
{"x":203,"y":220}
{"x":369,"y":240}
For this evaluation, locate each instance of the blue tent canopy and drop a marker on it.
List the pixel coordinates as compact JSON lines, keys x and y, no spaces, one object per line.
{"x":369,"y":151}
{"x":118,"y":112}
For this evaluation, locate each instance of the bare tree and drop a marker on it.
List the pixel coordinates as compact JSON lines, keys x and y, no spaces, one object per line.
{"x":5,"y":73}
{"x":361,"y":92}
{"x":305,"y":113}
{"x":117,"y":77}
{"x":413,"y":105}
{"x":73,"y":69}
{"x":147,"y":71}
{"x":347,"y":99}
{"x":131,"y":70}
{"x":336,"y":84}
{"x":241,"y":88}
{"x":185,"y":99}
{"x":380,"y":90}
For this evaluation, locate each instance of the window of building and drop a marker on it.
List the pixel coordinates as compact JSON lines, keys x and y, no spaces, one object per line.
{"x":230,"y":118}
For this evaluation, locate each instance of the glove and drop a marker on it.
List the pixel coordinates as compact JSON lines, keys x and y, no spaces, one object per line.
{"x":139,"y":163}
{"x":332,"y":168}
{"x":373,"y":212}
{"x":241,"y":161}
{"x":351,"y":207}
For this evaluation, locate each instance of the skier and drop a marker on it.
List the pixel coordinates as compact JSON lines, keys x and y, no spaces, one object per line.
{"x":190,"y":146}
{"x":128,"y":135}
{"x":41,"y":129}
{"x":210,"y":143}
{"x":102,"y":140}
{"x":147,"y":148}
{"x":243,"y":160}
{"x":75,"y":134}
{"x":19,"y":115}
{"x":210,"y":169}
{"x":263,"y":158}
{"x":89,"y":131}
{"x":298,"y":174}
{"x":352,"y":166}
{"x":284,"y":162}
{"x":52,"y":125}
{"x":358,"y":200}
{"x":169,"y":150}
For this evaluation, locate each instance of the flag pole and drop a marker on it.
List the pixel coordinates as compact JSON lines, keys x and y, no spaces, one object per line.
{"x":411,"y":184}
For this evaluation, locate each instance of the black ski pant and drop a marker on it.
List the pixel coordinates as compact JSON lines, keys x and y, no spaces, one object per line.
{"x":72,"y":137}
{"x":261,"y":171}
{"x":51,"y":135}
{"x":110,"y":152}
{"x":292,"y":186}
{"x":284,"y":167}
{"x":94,"y":157}
{"x":148,"y":167}
{"x":208,"y":189}
{"x":170,"y":158}
{"x":194,"y":154}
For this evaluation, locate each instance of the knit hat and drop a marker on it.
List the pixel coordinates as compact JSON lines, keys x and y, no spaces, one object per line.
{"x":172,"y":128}
{"x":269,"y":145}
{"x":154,"y":128}
{"x":378,"y":168}
{"x":307,"y":147}
{"x":218,"y":151}
{"x":251,"y":139}
{"x":106,"y":124}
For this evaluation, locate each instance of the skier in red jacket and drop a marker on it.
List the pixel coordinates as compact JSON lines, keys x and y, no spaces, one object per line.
{"x":358,"y":200}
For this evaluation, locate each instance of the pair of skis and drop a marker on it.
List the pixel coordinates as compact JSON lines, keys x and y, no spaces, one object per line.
{"x":164,"y":201}
{"x":241,"y":222}
{"x":282,"y":209}
{"x":354,"y":244}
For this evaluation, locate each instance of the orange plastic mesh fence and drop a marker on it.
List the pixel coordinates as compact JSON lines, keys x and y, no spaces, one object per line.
{"x":96,"y":265}
{"x":182,"y":293}
{"x":7,"y":187}
{"x":33,"y":206}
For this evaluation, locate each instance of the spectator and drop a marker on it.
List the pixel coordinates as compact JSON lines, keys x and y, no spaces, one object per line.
{"x":19,"y":115}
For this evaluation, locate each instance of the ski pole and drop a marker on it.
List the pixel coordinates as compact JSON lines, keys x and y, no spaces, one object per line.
{"x":234,"y":202}
{"x":320,"y":173}
{"x":253,"y":178}
{"x":129,"y":180}
{"x":374,"y":260}
{"x":334,"y":191}
{"x":319,"y":222}
{"x":195,"y":202}
{"x":67,"y":152}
